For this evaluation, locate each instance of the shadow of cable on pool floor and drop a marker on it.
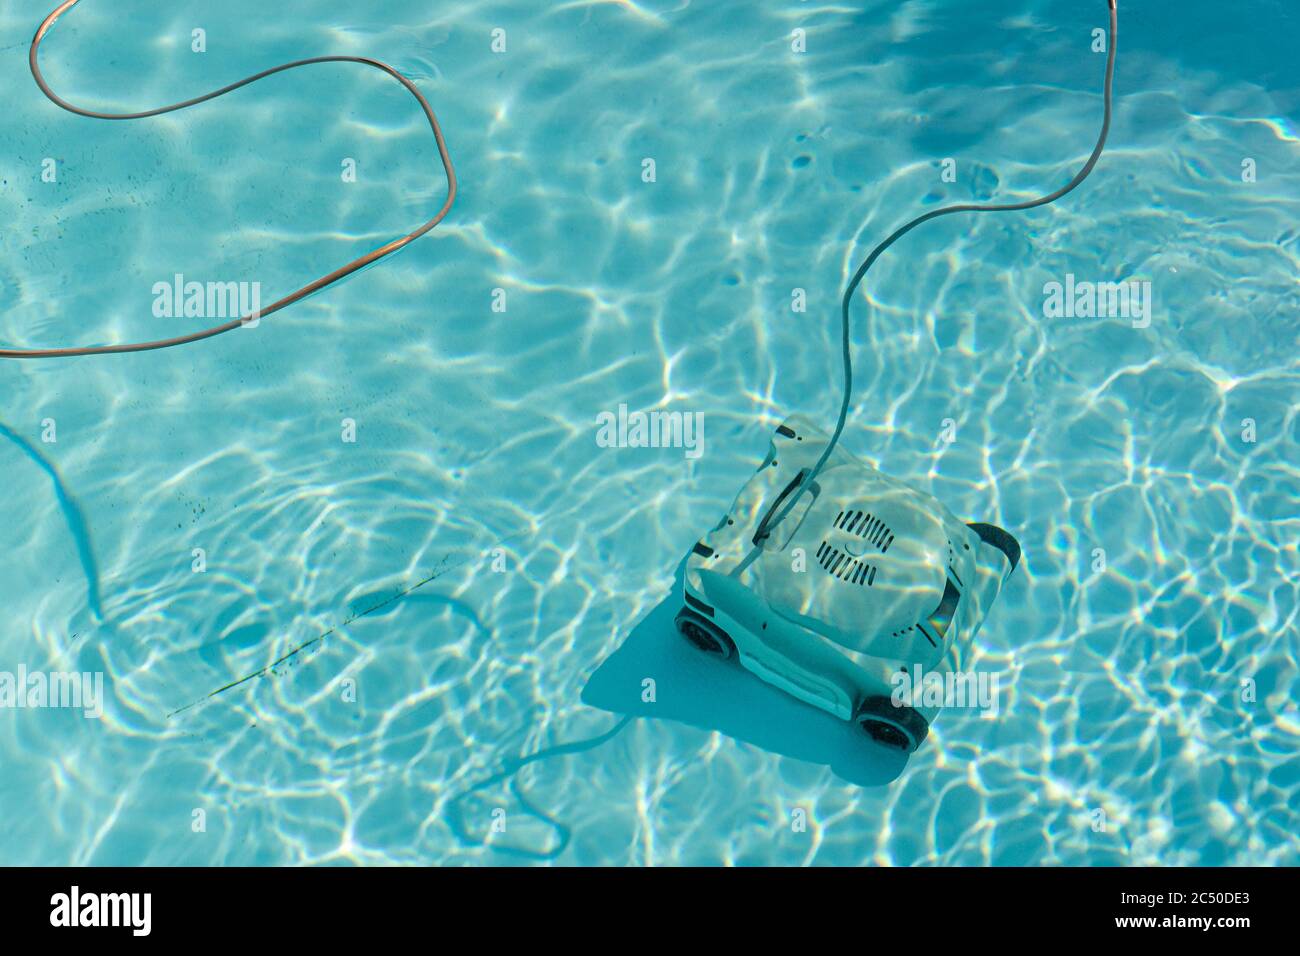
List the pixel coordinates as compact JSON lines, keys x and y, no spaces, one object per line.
{"x":72,"y":514}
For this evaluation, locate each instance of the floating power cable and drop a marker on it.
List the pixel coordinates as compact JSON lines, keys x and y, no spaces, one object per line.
{"x":512,"y":766}
{"x":768,"y":526}
{"x":315,"y":286}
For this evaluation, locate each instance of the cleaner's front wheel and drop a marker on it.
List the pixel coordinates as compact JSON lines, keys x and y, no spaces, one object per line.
{"x":705,"y":635}
{"x":896,"y":727}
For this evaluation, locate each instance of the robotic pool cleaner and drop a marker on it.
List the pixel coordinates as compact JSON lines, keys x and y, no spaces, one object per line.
{"x":865,"y":577}
{"x":827,"y":578}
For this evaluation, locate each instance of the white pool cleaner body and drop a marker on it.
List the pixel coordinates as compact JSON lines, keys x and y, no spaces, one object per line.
{"x":867,"y":578}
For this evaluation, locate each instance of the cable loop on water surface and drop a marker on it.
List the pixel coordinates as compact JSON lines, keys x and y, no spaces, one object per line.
{"x":311,"y":287}
{"x":926,"y":217}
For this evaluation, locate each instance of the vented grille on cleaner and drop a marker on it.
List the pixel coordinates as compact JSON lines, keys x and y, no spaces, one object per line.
{"x":840,"y":565}
{"x":867,"y":527}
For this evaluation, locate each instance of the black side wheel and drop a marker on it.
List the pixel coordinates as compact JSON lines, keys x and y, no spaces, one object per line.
{"x":900,"y":728}
{"x":705,"y":635}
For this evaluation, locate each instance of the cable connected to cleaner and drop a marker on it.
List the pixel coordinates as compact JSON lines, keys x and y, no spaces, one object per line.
{"x":903,"y":230}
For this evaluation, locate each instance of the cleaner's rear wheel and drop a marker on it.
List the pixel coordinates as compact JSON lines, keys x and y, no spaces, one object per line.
{"x":705,"y":635}
{"x":899,"y":728}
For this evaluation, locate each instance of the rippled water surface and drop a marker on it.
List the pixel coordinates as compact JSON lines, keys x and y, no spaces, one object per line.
{"x":1146,"y":647}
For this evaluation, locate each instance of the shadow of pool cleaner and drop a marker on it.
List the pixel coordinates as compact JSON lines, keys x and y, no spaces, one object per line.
{"x":691,"y":688}
{"x":694,"y":688}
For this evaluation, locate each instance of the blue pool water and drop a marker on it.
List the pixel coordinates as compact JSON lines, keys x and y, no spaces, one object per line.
{"x":1149,"y":710}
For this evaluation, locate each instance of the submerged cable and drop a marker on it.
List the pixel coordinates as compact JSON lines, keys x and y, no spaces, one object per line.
{"x":508,"y":768}
{"x":76,"y":521}
{"x":508,"y":771}
{"x":444,"y":567}
{"x":311,"y":287}
{"x":935,"y":214}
